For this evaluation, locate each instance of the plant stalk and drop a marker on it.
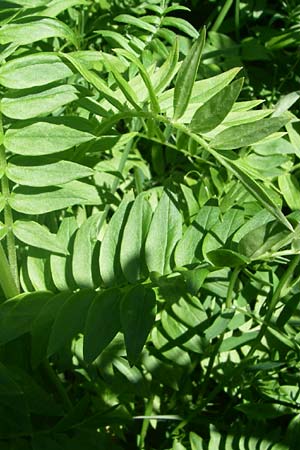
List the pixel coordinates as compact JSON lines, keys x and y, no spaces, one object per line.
{"x":222,"y":15}
{"x":146,"y":422}
{"x":14,"y":285}
{"x":56,"y":382}
{"x":232,"y":282}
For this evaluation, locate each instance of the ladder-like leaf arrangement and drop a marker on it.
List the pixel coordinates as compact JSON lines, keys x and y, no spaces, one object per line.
{"x":60,"y":112}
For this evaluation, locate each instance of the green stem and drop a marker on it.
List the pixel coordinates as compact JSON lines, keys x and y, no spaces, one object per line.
{"x":231,"y":286}
{"x":222,"y":15}
{"x":146,"y":422}
{"x":8,"y":220}
{"x":237,"y":19}
{"x":56,"y":382}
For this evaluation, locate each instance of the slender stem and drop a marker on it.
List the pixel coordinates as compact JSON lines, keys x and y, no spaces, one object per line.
{"x":146,"y":422}
{"x":231,"y":286}
{"x":56,"y":382}
{"x":237,"y":19}
{"x":222,"y":15}
{"x":8,"y":217}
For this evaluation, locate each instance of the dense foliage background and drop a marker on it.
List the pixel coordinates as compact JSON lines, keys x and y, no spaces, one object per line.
{"x":149,"y":225}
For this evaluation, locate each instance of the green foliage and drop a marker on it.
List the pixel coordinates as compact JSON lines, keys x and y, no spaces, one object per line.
{"x":149,"y":228}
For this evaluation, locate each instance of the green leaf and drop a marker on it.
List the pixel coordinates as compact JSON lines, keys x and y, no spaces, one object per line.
{"x":136,"y":22}
{"x":138,"y":309}
{"x":38,"y":104}
{"x":180,"y":24}
{"x":31,"y":3}
{"x":290,"y":189}
{"x":41,"y":327}
{"x":144,"y":74}
{"x":38,"y":236}
{"x":227,"y":258}
{"x":196,"y":441}
{"x":102,"y":323}
{"x":188,"y":249}
{"x":17,"y":314}
{"x":34,"y":275}
{"x":220,"y":324}
{"x":60,"y":266}
{"x":186,"y":77}
{"x":164,"y":232}
{"x":256,"y":189}
{"x":124,"y":86}
{"x":175,"y":330}
{"x":237,"y":341}
{"x":165,"y":74}
{"x":109,"y":264}
{"x":82,"y":257}
{"x":14,"y":410}
{"x":27,"y":33}
{"x":248,"y":134}
{"x":44,"y":137}
{"x":178,"y":446}
{"x":31,"y":172}
{"x":132,"y":257}
{"x":33,"y":70}
{"x":220,"y":233}
{"x":30,"y":200}
{"x":175,"y":354}
{"x":214,"y":111}
{"x":70,"y":320}
{"x":92,"y":78}
{"x":116,"y":38}
{"x":56,"y":7}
